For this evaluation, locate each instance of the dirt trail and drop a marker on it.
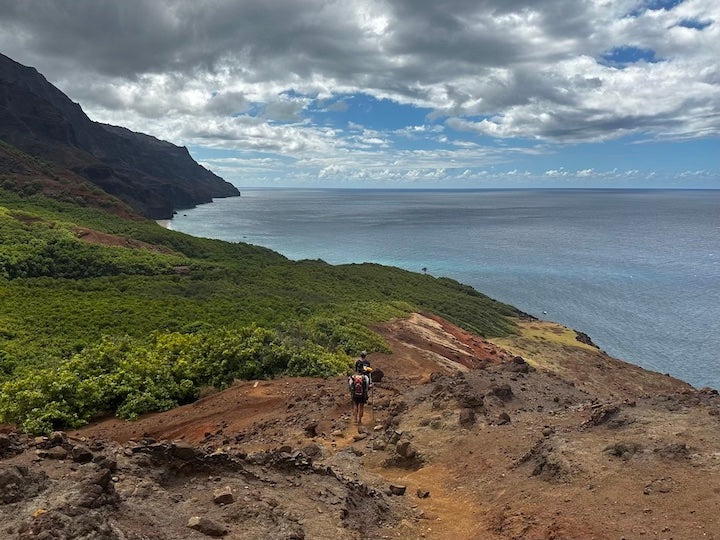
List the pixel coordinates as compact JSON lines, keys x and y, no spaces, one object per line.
{"x":525,"y":438}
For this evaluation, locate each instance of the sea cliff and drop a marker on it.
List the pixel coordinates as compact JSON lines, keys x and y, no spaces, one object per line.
{"x":152,"y":176}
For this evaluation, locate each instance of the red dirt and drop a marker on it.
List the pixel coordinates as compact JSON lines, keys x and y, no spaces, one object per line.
{"x":594,"y":447}
{"x":91,"y":236}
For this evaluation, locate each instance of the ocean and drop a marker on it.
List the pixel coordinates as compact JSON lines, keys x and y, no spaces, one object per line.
{"x":637,"y":270}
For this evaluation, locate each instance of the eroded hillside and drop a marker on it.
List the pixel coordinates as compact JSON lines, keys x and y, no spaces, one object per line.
{"x":537,"y":435}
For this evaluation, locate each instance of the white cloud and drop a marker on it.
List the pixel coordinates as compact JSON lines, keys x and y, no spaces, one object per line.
{"x":248,"y":75}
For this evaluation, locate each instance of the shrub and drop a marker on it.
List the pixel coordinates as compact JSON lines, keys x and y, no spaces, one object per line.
{"x":130,"y":378}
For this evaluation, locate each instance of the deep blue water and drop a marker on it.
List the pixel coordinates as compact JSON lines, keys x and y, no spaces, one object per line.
{"x":638,"y":270}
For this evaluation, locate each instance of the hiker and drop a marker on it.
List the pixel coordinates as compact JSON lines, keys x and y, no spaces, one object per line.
{"x":362,"y":364}
{"x":359,"y":384}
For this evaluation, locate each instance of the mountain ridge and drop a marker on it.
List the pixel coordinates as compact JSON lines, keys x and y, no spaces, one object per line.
{"x":152,"y":176}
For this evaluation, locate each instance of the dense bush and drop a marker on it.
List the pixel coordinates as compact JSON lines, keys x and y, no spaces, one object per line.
{"x":34,"y":248}
{"x":87,"y":329}
{"x":129,"y":378}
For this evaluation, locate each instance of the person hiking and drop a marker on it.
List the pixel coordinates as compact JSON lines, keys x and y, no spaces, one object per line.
{"x":359,"y":384}
{"x":362,"y":364}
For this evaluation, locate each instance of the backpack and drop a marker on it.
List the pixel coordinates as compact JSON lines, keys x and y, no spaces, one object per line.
{"x":358,"y":385}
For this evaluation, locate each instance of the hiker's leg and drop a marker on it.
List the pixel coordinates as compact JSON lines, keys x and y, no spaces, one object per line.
{"x":361,"y":408}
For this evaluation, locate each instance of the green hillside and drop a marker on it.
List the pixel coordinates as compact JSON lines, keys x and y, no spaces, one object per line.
{"x":102,"y":313}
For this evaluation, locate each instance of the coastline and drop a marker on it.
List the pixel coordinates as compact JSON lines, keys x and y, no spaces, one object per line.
{"x":629,"y":306}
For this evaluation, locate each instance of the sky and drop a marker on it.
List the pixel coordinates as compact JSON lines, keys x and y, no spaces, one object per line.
{"x":401,"y":93}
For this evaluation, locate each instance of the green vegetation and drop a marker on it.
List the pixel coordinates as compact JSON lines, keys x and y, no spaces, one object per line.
{"x":87,"y":329}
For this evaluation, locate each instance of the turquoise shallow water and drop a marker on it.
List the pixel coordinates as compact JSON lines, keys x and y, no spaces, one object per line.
{"x":638,"y":270}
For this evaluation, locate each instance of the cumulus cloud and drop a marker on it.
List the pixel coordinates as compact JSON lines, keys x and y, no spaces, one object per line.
{"x":252,"y":74}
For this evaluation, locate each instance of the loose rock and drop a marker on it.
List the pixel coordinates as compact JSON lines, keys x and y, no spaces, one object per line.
{"x":311,"y":450}
{"x":223,"y":496}
{"x":467,"y":418}
{"x":57,"y":452}
{"x":406,"y":450}
{"x":502,"y":391}
{"x":623,"y":450}
{"x":57,"y":438}
{"x":311,"y":429}
{"x":206,"y":526}
{"x":81,"y":454}
{"x":517,"y":365}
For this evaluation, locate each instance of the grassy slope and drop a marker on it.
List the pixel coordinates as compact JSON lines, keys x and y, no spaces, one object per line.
{"x":61,"y":295}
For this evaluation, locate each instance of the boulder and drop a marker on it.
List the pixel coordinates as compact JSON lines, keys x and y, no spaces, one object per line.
{"x":517,"y":365}
{"x":311,"y":429}
{"x":582,"y":337}
{"x":223,"y":495}
{"x":502,"y":391}
{"x":57,"y":438}
{"x":182,"y":451}
{"x":406,"y":450}
{"x":428,"y":515}
{"x":96,"y":490}
{"x":503,"y":418}
{"x":58,"y":452}
{"x":5,"y":442}
{"x":18,"y":483}
{"x":467,"y":418}
{"x":10,"y":445}
{"x":396,"y":489}
{"x":311,"y":450}
{"x":206,"y":526}
{"x":673,"y":451}
{"x":105,"y":462}
{"x":471,"y":400}
{"x":81,"y":454}
{"x":40,"y":442}
{"x":623,"y":450}
{"x":602,"y":414}
{"x":423,"y":493}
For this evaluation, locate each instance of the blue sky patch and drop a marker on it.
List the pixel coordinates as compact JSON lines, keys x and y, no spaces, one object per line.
{"x":627,"y":54}
{"x":694,"y":23}
{"x":370,"y":112}
{"x":654,"y":5}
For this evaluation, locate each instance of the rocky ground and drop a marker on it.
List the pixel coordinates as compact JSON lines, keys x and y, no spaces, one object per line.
{"x":540,"y":435}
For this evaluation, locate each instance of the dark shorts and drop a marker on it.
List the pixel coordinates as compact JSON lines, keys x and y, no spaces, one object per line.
{"x":359,"y":399}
